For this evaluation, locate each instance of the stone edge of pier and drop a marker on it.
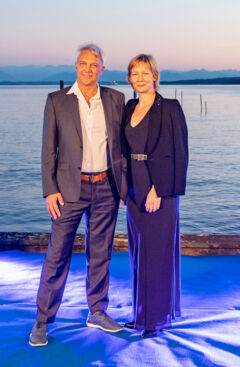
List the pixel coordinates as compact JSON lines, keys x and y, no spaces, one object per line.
{"x":191,"y":244}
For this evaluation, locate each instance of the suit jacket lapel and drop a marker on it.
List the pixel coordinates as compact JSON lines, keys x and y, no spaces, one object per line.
{"x":155,"y":124}
{"x":129,"y":110}
{"x":107,"y":107}
{"x":74,"y":110}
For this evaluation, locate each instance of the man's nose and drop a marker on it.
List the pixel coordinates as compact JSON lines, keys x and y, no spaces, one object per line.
{"x":87,"y":67}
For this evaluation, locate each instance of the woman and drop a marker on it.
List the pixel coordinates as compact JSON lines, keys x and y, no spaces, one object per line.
{"x":155,"y":146}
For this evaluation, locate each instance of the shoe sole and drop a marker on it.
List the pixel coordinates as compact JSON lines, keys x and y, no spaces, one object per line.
{"x":129,"y":326}
{"x":102,"y":328}
{"x":37,"y":344}
{"x":149,"y":337}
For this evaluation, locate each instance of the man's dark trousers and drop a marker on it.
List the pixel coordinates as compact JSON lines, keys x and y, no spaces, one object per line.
{"x":99,"y":201}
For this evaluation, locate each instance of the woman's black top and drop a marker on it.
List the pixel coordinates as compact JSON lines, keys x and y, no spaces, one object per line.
{"x":137,"y":138}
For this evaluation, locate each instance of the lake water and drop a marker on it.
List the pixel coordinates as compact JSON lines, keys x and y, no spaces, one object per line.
{"x":212,"y":202}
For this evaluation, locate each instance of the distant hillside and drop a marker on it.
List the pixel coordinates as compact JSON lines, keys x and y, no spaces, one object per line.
{"x":66,"y":76}
{"x":220,"y":81}
{"x":107,"y":76}
{"x":51,"y":73}
{"x":5,"y":76}
{"x":211,"y":81}
{"x":31,"y":73}
{"x":171,"y":75}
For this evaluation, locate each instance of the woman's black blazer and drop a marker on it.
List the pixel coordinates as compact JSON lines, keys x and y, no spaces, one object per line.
{"x":166,"y":147}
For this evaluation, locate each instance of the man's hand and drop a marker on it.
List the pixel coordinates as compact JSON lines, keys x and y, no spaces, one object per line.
{"x":153,"y":201}
{"x":52,"y":204}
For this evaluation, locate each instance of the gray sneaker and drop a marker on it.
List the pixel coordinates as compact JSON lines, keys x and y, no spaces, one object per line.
{"x":102,"y":321}
{"x":38,"y":336}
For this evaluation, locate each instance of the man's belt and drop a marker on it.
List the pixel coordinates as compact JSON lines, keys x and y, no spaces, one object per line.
{"x":92,"y":178}
{"x":139,"y":157}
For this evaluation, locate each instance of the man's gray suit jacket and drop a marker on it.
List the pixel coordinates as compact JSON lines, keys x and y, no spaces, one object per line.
{"x":62,"y":147}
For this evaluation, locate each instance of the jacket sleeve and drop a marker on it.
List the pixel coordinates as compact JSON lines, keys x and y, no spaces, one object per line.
{"x":49,"y":149}
{"x":180,"y":144}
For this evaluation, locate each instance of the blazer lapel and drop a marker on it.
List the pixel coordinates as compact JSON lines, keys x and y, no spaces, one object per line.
{"x":107,"y":107}
{"x":74,"y":110}
{"x":155,"y":124}
{"x":129,"y":109}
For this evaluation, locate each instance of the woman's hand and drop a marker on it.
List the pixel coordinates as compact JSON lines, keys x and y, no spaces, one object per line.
{"x":153,"y":202}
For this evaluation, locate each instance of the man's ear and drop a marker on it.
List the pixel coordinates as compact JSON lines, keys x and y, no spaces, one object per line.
{"x":101,"y":70}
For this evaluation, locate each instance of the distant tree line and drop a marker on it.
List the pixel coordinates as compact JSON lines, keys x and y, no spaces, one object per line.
{"x":214,"y":81}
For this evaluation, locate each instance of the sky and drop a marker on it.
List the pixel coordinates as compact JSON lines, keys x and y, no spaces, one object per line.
{"x":180,"y":34}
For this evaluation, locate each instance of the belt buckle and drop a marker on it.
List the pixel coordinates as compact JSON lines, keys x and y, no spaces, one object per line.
{"x":91,"y":179}
{"x":140,"y":157}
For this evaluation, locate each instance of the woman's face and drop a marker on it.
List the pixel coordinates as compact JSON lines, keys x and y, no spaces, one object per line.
{"x":141,"y":78}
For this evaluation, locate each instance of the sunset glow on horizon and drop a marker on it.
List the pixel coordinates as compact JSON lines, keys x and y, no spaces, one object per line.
{"x":180,"y":34}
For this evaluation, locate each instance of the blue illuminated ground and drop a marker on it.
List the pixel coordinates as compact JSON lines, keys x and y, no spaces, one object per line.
{"x":208,"y":333}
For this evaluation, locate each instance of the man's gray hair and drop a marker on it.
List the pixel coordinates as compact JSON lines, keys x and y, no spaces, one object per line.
{"x":97,"y":51}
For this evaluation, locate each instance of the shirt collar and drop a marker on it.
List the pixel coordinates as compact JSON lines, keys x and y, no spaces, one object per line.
{"x":76,"y":90}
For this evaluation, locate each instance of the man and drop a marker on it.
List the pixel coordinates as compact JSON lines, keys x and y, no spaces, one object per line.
{"x":81,"y":173}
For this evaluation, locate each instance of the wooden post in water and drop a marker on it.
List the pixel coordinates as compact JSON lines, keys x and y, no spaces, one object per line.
{"x":61,"y":84}
{"x":175,"y":93}
{"x":200,"y":104}
{"x":205,"y":107}
{"x":181,"y":98}
{"x":134,"y":94}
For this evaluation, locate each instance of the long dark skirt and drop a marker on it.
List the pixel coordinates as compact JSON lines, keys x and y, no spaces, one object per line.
{"x":154,"y":246}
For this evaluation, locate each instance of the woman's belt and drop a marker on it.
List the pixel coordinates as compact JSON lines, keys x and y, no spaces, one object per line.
{"x":139,"y":157}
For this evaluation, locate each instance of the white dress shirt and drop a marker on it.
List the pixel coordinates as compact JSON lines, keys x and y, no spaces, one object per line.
{"x":94,"y":132}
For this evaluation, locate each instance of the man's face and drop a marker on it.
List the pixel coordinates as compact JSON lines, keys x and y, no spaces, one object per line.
{"x":88,"y":68}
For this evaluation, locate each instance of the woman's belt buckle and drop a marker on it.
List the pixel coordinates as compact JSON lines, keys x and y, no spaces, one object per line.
{"x":139,"y":157}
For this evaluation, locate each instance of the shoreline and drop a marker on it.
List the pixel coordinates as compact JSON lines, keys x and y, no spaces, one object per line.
{"x":191,"y":244}
{"x":211,"y":81}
